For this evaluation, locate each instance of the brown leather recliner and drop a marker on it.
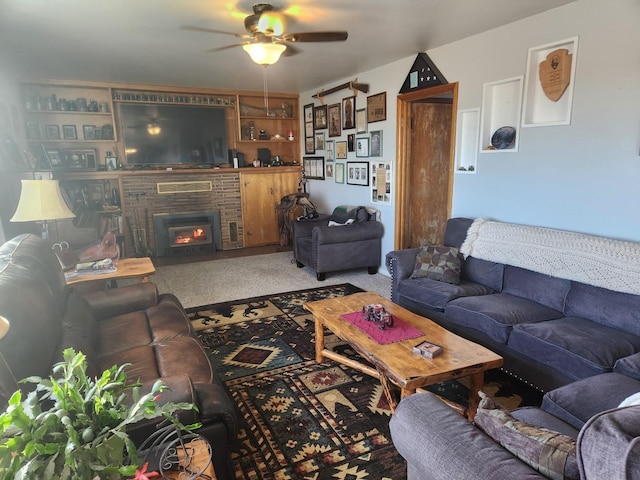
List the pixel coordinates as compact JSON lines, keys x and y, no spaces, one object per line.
{"x":132,"y":324}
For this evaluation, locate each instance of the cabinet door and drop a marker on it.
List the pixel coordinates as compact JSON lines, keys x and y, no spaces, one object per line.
{"x":259,"y":199}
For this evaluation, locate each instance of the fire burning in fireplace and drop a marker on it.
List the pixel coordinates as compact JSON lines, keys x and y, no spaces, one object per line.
{"x":189,"y":235}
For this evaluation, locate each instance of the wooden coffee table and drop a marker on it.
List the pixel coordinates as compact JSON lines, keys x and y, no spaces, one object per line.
{"x":396,"y":361}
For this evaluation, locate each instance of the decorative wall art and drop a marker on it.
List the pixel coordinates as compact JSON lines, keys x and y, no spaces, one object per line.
{"x":376,"y":143}
{"x":319,"y":140}
{"x":341,"y":150}
{"x":358,"y":173}
{"x":381,"y":182}
{"x":377,"y":107}
{"x":69,"y":132}
{"x":349,"y":112}
{"x":361,"y":120}
{"x":328,"y":170}
{"x":549,"y":84}
{"x":362,"y":147}
{"x":329,"y":150}
{"x":351,"y":142}
{"x":339,"y":173}
{"x":423,"y":74}
{"x":320,"y":117}
{"x":313,"y":167}
{"x":333,"y":117}
{"x":309,"y":140}
{"x":53,"y":132}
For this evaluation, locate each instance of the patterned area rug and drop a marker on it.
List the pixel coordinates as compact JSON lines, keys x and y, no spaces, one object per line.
{"x":300,"y":419}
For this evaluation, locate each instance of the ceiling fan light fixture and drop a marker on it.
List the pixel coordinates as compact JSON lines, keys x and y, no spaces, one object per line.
{"x":153,"y":129}
{"x":264,"y":53}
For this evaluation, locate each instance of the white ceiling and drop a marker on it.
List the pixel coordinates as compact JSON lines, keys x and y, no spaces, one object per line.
{"x":142,"y":42}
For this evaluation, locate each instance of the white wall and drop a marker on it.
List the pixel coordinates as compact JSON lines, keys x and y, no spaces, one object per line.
{"x":581,"y":177}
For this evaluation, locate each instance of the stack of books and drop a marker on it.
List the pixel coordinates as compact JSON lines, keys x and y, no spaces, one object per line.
{"x":99,"y":266}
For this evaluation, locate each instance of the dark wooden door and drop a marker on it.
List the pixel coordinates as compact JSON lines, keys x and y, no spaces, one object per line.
{"x":430,"y":172}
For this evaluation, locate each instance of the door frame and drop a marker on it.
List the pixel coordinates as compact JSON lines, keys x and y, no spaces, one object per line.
{"x":403,"y":153}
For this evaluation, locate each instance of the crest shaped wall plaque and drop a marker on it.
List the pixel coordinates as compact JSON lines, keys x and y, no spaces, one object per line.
{"x":555,"y":73}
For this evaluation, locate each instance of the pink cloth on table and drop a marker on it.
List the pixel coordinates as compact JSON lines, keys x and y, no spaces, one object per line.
{"x":399,"y":332}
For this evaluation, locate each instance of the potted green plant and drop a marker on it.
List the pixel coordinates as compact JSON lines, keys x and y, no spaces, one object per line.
{"x":74,"y":426}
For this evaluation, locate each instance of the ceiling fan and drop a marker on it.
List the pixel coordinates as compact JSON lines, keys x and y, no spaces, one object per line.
{"x":266,"y":40}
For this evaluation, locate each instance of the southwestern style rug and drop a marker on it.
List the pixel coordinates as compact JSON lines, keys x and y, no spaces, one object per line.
{"x":300,"y":419}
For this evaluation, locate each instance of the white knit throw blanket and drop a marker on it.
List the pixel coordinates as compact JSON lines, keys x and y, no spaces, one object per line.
{"x":598,"y":261}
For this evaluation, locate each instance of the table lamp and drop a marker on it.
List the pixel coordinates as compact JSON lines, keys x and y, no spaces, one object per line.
{"x":41,"y":201}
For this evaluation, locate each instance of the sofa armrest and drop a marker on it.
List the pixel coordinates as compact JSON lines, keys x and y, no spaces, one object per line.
{"x":400,"y":264}
{"x":323,"y":235}
{"x":440,"y":444}
{"x":117,"y":301}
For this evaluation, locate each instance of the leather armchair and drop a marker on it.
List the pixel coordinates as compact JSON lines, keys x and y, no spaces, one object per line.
{"x":327,"y":244}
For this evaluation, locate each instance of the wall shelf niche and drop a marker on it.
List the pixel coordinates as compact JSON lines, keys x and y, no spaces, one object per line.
{"x":501,"y":107}
{"x":467,"y":136}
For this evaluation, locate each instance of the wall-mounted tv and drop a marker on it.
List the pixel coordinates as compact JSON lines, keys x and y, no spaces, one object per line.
{"x":174,"y":134}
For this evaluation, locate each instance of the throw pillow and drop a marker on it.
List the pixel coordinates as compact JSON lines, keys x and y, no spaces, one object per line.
{"x":336,"y":224}
{"x":549,"y":452}
{"x":439,"y":262}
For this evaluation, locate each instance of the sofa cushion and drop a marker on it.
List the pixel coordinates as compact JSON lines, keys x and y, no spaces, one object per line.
{"x":609,"y":445}
{"x":595,"y":394}
{"x":541,"y":288}
{"x":614,"y":309}
{"x":484,"y":272}
{"x":495,"y":315}
{"x":629,"y":366}
{"x":435,"y":295}
{"x":549,"y":452}
{"x":439,"y":262}
{"x":580,"y":348}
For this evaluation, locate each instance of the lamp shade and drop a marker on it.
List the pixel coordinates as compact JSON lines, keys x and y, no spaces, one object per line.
{"x":4,"y":326}
{"x":264,"y":53}
{"x":41,"y":200}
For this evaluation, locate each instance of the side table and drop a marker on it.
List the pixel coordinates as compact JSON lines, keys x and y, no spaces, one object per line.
{"x":127,"y":268}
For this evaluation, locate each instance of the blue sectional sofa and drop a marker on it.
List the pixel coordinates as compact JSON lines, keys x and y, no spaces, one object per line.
{"x":550,"y":330}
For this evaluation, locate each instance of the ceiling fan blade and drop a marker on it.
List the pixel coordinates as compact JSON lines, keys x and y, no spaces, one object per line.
{"x":290,"y":51}
{"x":316,"y":37}
{"x":211,"y":30}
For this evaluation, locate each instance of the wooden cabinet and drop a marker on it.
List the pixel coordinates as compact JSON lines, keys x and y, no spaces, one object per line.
{"x":261,"y":127}
{"x":68,"y":125}
{"x":261,"y":190}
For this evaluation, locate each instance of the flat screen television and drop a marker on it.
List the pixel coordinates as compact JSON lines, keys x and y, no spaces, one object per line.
{"x":174,"y":134}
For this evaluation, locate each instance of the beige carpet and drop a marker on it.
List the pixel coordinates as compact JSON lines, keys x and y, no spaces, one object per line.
{"x":202,"y":283}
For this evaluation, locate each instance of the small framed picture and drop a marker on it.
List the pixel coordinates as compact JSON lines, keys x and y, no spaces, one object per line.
{"x":89,"y":132}
{"x":313,"y":167}
{"x":310,"y":145}
{"x":349,"y":112}
{"x":377,"y":107}
{"x":339,"y":173}
{"x":361,"y":120}
{"x":376,"y":143}
{"x":351,"y":142}
{"x":333,"y":117}
{"x":329,"y":150}
{"x":308,"y":113}
{"x":33,"y":131}
{"x":328,"y":170}
{"x":111,"y":163}
{"x":69,"y":132}
{"x":358,"y":173}
{"x":319,"y":137}
{"x":320,"y":117}
{"x":362,"y":147}
{"x":55,"y":158}
{"x":53,"y":132}
{"x":341,"y":150}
